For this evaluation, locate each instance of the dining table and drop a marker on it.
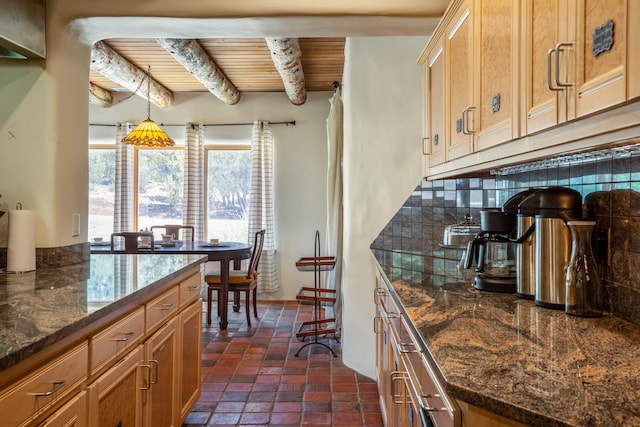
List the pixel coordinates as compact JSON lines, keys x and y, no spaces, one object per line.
{"x":224,"y":252}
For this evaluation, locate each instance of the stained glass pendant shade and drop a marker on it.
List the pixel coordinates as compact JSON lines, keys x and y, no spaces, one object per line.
{"x":148,"y":133}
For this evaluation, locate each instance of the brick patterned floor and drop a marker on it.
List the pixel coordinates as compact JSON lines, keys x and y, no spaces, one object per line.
{"x":251,"y":376}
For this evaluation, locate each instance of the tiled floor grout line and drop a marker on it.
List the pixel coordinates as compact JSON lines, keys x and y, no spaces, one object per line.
{"x":251,"y":376}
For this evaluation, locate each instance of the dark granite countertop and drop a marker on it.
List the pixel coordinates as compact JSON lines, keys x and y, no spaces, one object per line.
{"x":538,"y":366}
{"x":41,"y":307}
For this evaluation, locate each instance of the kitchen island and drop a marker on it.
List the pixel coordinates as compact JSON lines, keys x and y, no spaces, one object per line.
{"x":537,"y":366}
{"x":87,"y":319}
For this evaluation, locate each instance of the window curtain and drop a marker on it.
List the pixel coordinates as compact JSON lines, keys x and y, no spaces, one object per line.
{"x":193,"y":213}
{"x":261,"y":210}
{"x":333,"y":236}
{"x":123,"y":197}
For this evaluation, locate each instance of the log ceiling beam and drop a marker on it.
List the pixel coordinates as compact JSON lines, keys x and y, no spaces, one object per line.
{"x":113,"y":66}
{"x":190,"y":54}
{"x":100,"y":96}
{"x":287,"y":58}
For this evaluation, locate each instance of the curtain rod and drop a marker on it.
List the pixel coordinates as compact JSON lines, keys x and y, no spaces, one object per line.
{"x":290,"y":122}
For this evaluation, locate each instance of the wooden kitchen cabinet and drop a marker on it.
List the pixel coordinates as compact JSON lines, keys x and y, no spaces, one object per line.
{"x":566,"y":77}
{"x":433,"y":69}
{"x":497,"y":70}
{"x":460,"y":103}
{"x":45,"y":388}
{"x":160,"y":387}
{"x":115,"y":398}
{"x":546,"y":24}
{"x":190,"y":327}
{"x":72,"y":414}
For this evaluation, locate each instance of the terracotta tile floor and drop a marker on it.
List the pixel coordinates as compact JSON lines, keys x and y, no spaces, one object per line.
{"x":251,"y":376}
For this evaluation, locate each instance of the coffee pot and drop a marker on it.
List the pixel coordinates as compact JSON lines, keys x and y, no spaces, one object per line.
{"x":552,"y":207}
{"x":493,"y":253}
{"x":523,"y":235}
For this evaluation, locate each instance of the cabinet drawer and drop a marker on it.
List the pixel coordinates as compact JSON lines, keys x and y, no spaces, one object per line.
{"x":190,"y":289}
{"x":48,"y":385}
{"x":116,"y":339}
{"x":162,"y":308}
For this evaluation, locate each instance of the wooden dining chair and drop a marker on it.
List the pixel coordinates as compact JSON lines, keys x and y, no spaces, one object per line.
{"x":131,"y":242}
{"x":175,"y":230}
{"x":239,"y":281}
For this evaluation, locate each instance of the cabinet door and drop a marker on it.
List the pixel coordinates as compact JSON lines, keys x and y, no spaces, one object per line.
{"x":497,"y":78}
{"x":115,"y":398}
{"x":161,"y":387}
{"x":434,"y":67}
{"x":547,"y":23}
{"x":190,"y":358}
{"x":602,"y":54}
{"x":461,"y":107}
{"x":73,"y":414}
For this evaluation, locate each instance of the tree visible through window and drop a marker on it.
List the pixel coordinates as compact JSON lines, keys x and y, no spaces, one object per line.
{"x":228,"y":179}
{"x":159,"y":194}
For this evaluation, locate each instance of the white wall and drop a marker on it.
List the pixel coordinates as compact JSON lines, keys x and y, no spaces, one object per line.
{"x":382,"y":163}
{"x":300,"y":160}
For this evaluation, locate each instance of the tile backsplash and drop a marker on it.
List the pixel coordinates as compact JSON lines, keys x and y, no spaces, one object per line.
{"x":609,"y":182}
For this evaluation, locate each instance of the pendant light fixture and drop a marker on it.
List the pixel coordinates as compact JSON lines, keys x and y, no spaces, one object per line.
{"x":148,"y":133}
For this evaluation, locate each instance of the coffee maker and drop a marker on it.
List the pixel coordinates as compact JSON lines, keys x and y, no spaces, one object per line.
{"x":493,"y":253}
{"x":552,"y":208}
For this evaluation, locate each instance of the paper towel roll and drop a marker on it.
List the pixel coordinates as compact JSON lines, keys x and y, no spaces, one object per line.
{"x":21,"y":246}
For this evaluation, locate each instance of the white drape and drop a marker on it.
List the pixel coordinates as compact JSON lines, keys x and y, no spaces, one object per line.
{"x":193,"y":210}
{"x":261,"y":209}
{"x":333,"y":237}
{"x":123,"y":197}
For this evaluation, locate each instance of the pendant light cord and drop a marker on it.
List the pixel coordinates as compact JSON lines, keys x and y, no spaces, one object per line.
{"x":148,"y":91}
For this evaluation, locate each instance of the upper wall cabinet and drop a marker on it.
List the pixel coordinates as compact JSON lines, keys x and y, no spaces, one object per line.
{"x":433,"y":69}
{"x":470,"y":69}
{"x":575,"y":59}
{"x":497,"y":73}
{"x":514,"y":72}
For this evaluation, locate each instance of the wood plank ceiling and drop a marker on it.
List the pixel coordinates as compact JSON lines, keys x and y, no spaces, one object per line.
{"x":247,"y":63}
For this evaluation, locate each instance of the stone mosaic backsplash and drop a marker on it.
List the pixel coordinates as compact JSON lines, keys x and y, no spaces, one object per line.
{"x":609,"y":182}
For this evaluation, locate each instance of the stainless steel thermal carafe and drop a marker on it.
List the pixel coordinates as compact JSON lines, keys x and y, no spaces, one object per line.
{"x":552,"y":207}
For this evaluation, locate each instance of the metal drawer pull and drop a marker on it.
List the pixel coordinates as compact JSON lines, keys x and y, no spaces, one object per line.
{"x":376,"y":323}
{"x":127,"y":336}
{"x":166,"y":306}
{"x":194,"y":288}
{"x":549,"y":83}
{"x":395,"y":376}
{"x":57,"y":385}
{"x":559,"y":49}
{"x":155,"y":365}
{"x":146,"y":385}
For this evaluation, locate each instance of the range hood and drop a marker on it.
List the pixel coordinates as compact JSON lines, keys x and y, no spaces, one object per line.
{"x":22,"y":24}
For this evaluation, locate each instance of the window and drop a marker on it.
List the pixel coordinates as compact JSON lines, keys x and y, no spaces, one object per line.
{"x":158,"y":195}
{"x":228,"y":179}
{"x":160,"y":187}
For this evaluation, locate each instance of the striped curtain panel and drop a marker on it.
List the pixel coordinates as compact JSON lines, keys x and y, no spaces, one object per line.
{"x":123,"y":197}
{"x":193,"y":211}
{"x":261,"y":212}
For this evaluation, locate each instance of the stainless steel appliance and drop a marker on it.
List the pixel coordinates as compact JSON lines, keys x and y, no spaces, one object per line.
{"x":552,"y":207}
{"x":493,"y":253}
{"x":526,"y":243}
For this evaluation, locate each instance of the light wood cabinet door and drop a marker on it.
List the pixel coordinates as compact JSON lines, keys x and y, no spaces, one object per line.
{"x":602,"y":54}
{"x":548,"y":66}
{"x":434,"y":76}
{"x":161,"y":387}
{"x":115,"y":398}
{"x":72,"y":414}
{"x":461,"y":106}
{"x":190,"y":358}
{"x":497,"y":37}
